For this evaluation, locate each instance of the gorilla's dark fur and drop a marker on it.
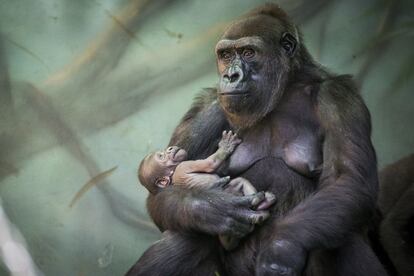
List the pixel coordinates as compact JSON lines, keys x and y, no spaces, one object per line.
{"x":393,"y":235}
{"x":306,"y":138}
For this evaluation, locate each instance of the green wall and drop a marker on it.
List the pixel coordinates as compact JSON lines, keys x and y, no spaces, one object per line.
{"x":89,"y":85}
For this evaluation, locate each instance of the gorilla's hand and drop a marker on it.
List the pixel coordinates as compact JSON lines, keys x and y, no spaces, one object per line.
{"x":219,"y":213}
{"x":281,"y":257}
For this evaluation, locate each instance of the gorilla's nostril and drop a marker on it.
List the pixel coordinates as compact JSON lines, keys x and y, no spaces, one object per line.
{"x":234,"y":77}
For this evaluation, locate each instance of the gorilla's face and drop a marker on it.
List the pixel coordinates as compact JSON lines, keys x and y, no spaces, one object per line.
{"x":240,"y":64}
{"x":253,"y":69}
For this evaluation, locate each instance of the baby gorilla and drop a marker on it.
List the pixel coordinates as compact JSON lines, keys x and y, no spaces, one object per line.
{"x":163,"y":168}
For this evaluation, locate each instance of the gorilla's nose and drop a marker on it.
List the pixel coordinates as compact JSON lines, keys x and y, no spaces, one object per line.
{"x":172,"y":150}
{"x":233,"y":75}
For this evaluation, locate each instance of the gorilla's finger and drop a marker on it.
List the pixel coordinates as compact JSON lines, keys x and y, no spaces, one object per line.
{"x":250,"y":216}
{"x":236,"y":228}
{"x":250,"y":200}
{"x":221,"y":183}
{"x":242,"y":230}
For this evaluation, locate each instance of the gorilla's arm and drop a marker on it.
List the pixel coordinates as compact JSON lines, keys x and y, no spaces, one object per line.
{"x":348,"y":184}
{"x":210,"y":211}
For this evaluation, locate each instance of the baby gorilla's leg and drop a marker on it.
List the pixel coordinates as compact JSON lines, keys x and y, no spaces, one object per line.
{"x":243,"y":186}
{"x":236,"y":187}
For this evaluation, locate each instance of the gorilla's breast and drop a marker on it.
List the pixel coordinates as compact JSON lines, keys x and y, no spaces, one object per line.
{"x":273,"y":174}
{"x":298,"y":146}
{"x":289,"y":135}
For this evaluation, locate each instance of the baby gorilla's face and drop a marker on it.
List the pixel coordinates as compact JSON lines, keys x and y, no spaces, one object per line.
{"x":166,"y":162}
{"x":157,"y":168}
{"x":170,"y":157}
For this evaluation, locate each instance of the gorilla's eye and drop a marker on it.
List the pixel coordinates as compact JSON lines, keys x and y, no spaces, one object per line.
{"x":225,"y":55}
{"x":248,"y":53}
{"x":161,"y":156}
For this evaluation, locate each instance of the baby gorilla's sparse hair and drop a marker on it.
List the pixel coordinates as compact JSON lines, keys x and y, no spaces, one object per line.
{"x":150,"y":171}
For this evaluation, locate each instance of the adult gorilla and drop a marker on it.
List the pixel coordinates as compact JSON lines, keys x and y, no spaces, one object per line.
{"x":306,"y":138}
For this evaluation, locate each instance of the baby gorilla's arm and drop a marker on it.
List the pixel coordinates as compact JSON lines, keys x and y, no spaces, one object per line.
{"x":228,"y":143}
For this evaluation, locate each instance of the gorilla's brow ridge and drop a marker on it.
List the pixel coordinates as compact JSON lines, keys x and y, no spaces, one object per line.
{"x":255,"y":41}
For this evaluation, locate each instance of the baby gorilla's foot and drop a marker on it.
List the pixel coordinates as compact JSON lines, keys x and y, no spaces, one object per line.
{"x":269,"y":200}
{"x":229,"y":141}
{"x":221,"y":183}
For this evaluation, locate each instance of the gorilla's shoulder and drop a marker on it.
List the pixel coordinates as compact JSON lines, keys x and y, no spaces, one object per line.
{"x":205,"y":97}
{"x":202,"y":101}
{"x":335,"y":84}
{"x":339,"y":90}
{"x":202,"y":123}
{"x":340,"y":102}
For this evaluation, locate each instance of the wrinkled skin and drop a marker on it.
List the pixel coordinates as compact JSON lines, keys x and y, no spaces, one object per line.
{"x":305,"y":137}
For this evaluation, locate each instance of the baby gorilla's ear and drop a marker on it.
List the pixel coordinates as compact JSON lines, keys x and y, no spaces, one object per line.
{"x":163,"y":182}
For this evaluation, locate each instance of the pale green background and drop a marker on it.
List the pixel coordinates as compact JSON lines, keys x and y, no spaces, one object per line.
{"x":126,"y":100}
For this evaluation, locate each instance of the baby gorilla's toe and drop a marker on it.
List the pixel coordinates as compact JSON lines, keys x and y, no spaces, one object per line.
{"x":269,"y":200}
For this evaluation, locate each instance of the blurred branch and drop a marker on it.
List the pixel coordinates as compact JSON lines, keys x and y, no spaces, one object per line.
{"x":94,"y":181}
{"x":323,"y":31}
{"x":5,"y":89}
{"x":68,"y":139}
{"x":117,"y":21}
{"x":103,"y":54}
{"x":7,"y":141}
{"x":123,"y":94}
{"x":54,"y":113}
{"x":27,"y":51}
{"x":134,"y":89}
{"x":386,"y":23}
{"x":405,"y":74}
{"x":302,"y":10}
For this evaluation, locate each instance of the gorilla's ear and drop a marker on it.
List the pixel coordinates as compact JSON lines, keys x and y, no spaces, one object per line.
{"x":163,"y":181}
{"x":289,"y":44}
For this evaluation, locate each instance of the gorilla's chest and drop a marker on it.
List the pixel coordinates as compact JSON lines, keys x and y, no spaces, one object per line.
{"x":286,"y":137}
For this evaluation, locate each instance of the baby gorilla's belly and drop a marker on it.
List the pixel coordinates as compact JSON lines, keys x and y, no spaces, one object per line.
{"x":202,"y":180}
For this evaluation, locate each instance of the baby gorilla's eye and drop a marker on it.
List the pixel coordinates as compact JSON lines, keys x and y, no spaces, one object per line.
{"x":248,"y":53}
{"x":161,"y":155}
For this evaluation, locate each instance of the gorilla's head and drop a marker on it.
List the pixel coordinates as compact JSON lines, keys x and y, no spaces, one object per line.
{"x":255,"y":58}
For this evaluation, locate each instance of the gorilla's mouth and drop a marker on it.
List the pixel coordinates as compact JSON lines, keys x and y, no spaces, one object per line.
{"x":240,"y":88}
{"x":234,"y":93}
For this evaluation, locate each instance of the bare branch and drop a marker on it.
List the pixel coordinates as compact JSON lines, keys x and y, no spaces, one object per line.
{"x":385,"y":25}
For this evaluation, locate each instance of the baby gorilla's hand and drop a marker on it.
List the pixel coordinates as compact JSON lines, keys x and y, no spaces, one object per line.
{"x":229,"y":141}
